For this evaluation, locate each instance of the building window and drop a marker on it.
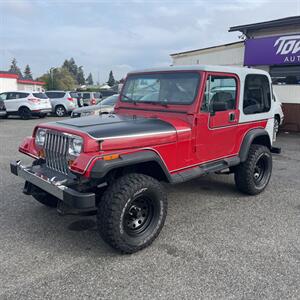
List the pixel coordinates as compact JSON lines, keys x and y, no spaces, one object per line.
{"x":257,"y":95}
{"x":285,"y":74}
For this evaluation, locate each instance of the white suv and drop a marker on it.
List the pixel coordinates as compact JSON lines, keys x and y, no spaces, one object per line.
{"x":26,"y":104}
{"x":62,"y":102}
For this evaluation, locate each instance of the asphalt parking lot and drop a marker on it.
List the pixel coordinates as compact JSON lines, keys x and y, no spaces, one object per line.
{"x":216,"y":242}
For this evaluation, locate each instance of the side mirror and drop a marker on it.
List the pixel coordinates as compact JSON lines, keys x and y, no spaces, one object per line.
{"x":217,"y":106}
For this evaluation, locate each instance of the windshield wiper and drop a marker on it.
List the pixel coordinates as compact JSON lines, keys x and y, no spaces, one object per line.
{"x":130,"y":100}
{"x":163,"y":102}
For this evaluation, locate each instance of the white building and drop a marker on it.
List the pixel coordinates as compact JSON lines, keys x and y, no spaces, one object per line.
{"x":12,"y":82}
{"x":273,"y":46}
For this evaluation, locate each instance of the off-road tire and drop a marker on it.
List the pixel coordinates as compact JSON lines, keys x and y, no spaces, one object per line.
{"x":114,"y":210}
{"x":60,"y":111}
{"x":24,"y":113}
{"x":245,"y":172}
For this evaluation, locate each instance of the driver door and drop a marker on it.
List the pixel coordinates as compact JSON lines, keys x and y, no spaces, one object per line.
{"x":218,"y":118}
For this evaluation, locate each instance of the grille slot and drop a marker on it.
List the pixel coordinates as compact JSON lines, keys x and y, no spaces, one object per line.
{"x":56,"y":148}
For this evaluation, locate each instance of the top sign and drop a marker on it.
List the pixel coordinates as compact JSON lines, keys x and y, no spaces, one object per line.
{"x":275,"y":50}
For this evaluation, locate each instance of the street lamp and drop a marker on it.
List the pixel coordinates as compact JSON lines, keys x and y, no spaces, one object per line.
{"x":51,"y":76}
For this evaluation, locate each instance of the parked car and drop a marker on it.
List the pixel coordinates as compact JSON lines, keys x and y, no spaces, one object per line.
{"x":78,"y":97}
{"x":117,"y":166}
{"x":90,"y":98}
{"x":26,"y":104}
{"x":106,"y":106}
{"x":62,"y":102}
{"x":107,"y":93}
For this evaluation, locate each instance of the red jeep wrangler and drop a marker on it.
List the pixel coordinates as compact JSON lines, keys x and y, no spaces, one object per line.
{"x":170,"y":125}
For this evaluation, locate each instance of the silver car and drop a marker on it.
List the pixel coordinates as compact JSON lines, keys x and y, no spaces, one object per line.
{"x":62,"y":102}
{"x":90,"y":98}
{"x":104,"y":107}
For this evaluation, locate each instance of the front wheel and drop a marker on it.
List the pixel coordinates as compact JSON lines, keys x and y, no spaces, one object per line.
{"x":132,"y":212}
{"x":253,"y":175}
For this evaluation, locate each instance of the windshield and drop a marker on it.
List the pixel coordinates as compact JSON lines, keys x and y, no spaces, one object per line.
{"x":40,"y":95}
{"x":166,"y":88}
{"x":112,"y":100}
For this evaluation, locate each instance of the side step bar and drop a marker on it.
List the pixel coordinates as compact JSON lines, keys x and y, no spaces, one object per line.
{"x":207,"y":168}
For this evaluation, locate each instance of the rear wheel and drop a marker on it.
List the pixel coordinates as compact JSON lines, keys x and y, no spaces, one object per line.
{"x":132,"y":212}
{"x":253,"y":175}
{"x":60,"y":111}
{"x":24,"y":113}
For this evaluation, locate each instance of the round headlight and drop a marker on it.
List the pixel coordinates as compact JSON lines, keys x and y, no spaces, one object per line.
{"x":40,"y":137}
{"x":75,"y":146}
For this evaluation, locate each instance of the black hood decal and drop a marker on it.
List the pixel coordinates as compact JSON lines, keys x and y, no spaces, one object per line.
{"x":106,"y":126}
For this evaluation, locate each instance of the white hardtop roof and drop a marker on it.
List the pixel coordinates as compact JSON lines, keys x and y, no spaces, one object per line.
{"x":211,"y":68}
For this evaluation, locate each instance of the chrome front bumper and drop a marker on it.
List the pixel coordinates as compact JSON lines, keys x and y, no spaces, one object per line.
{"x":54,"y":186}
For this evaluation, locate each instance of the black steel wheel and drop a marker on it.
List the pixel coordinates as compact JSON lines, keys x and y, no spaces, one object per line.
{"x":131,"y":212}
{"x":138,"y":215}
{"x":253,"y":175}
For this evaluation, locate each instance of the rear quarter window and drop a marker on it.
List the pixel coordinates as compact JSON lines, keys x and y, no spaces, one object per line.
{"x":257,"y":94}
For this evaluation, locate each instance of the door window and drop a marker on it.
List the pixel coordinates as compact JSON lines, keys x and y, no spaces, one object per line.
{"x":11,"y":96}
{"x":221,"y":92}
{"x":257,"y":94}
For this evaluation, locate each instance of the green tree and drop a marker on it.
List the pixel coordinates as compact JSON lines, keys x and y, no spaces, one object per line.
{"x":14,"y":68}
{"x":80,"y":76}
{"x":71,"y":66}
{"x":59,"y":79}
{"x":27,"y":73}
{"x":111,"y":80}
{"x":89,"y":79}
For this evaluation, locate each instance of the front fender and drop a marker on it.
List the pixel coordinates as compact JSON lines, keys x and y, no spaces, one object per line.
{"x":100,"y":168}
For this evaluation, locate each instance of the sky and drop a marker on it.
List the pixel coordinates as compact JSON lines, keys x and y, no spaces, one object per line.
{"x":122,"y":35}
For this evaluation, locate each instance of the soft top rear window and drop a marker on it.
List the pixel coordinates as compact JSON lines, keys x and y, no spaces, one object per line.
{"x":162,"y":88}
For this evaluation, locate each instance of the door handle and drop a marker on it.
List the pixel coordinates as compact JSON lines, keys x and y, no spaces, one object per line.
{"x":231,"y":117}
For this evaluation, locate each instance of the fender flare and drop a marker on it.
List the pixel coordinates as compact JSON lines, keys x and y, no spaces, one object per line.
{"x":101,"y":167}
{"x":248,"y":140}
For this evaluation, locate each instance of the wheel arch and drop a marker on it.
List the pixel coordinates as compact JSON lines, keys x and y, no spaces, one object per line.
{"x":60,"y":104}
{"x":257,"y":136}
{"x":23,"y":106}
{"x":145,"y":162}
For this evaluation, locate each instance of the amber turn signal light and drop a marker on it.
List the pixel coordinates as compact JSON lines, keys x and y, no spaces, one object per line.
{"x":41,"y":153}
{"x":111,"y":156}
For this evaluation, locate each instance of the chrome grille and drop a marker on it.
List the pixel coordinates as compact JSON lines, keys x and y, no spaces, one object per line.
{"x":56,"y":149}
